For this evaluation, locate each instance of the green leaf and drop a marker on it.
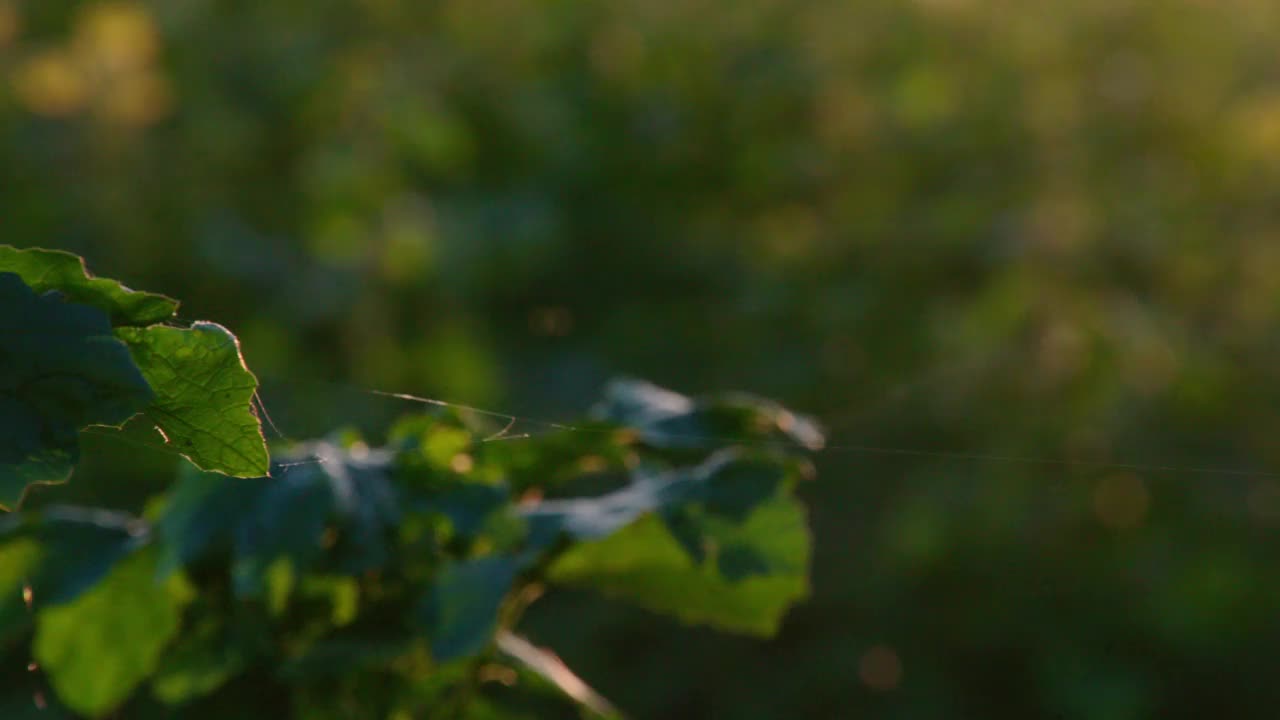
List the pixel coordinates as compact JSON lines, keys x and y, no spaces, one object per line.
{"x":60,"y":370}
{"x":727,"y":484}
{"x":204,"y":395}
{"x":75,"y":548}
{"x":350,"y":493}
{"x":202,"y":512}
{"x":18,"y":559}
{"x":97,"y":649}
{"x":57,"y":555}
{"x":461,"y":610}
{"x":287,"y":522}
{"x":669,"y":420}
{"x":644,"y":564}
{"x":365,"y":503}
{"x":46,"y":270}
{"x":723,"y":543}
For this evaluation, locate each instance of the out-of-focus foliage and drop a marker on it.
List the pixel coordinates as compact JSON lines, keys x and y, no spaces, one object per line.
{"x":965,"y":226}
{"x":343,"y":581}
{"x":395,"y":572}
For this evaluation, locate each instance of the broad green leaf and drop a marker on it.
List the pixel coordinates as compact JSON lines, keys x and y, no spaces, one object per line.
{"x":727,"y":485}
{"x":204,"y":395}
{"x":365,"y":504}
{"x":287,"y":522}
{"x":60,"y":370}
{"x":742,"y":578}
{"x":202,"y":512}
{"x":46,"y":270}
{"x":644,"y":564}
{"x":18,"y":559}
{"x":349,"y":493}
{"x":460,"y":613}
{"x":96,"y":650}
{"x":75,"y":548}
{"x":468,"y":506}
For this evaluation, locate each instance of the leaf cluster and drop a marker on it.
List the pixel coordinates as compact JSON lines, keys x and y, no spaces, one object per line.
{"x":350,"y":579}
{"x":78,"y":350}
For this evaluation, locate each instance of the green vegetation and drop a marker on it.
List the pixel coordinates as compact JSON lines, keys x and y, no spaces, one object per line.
{"x":355,"y":581}
{"x":955,"y":231}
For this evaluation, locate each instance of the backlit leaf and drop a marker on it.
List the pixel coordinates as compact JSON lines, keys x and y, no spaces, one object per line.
{"x":723,"y":543}
{"x":45,"y":270}
{"x":645,"y":564}
{"x":204,"y":395}
{"x":461,"y":611}
{"x":73,"y":548}
{"x":97,"y":649}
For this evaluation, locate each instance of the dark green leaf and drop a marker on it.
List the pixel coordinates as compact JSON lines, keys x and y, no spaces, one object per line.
{"x":97,"y":649}
{"x":723,"y":543}
{"x":467,"y":505}
{"x":644,"y":564}
{"x":204,"y":396}
{"x":287,"y":522}
{"x":460,"y":612}
{"x":46,"y":270}
{"x":727,"y":484}
{"x":666,"y":419}
{"x":365,"y":502}
{"x":60,"y":370}
{"x":202,"y":511}
{"x":76,"y":548}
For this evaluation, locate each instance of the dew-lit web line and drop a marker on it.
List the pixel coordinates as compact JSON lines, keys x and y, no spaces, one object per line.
{"x":261,"y":408}
{"x":479,"y":411}
{"x":710,"y":441}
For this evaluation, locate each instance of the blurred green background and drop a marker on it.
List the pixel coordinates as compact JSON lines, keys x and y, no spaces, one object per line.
{"x":948,"y":226}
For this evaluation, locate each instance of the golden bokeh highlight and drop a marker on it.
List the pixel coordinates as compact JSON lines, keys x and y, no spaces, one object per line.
{"x":107,"y":68}
{"x":50,"y":83}
{"x":116,"y":37}
{"x":462,"y":463}
{"x":10,"y":23}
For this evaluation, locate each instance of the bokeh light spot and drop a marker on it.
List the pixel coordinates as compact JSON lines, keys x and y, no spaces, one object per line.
{"x":10,"y":23}
{"x":49,"y":83}
{"x":880,"y":668}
